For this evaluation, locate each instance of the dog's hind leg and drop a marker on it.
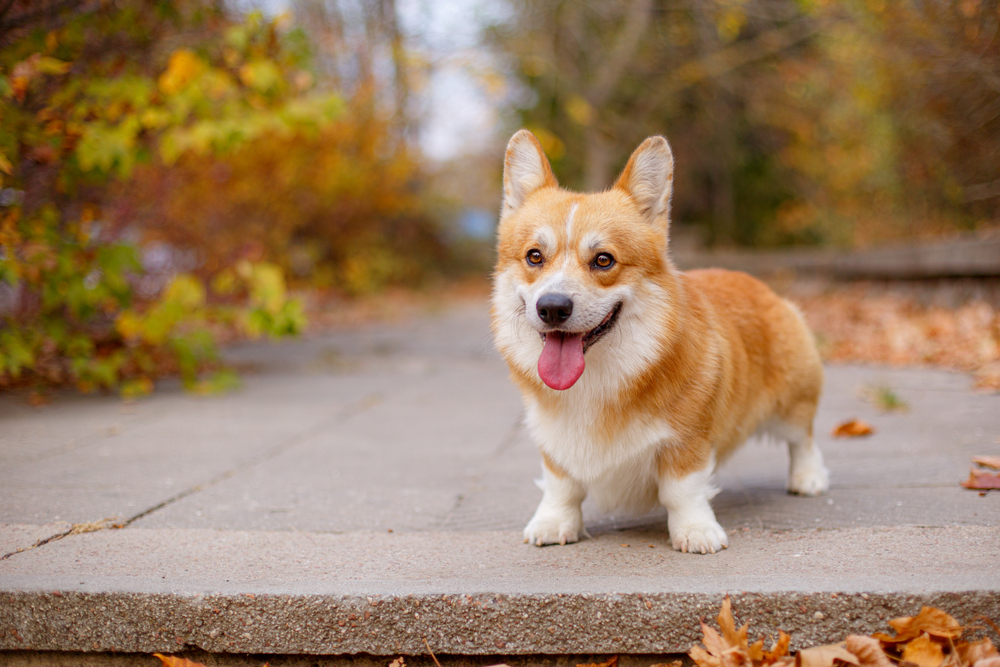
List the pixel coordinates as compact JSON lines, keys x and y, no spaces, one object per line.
{"x":807,"y":476}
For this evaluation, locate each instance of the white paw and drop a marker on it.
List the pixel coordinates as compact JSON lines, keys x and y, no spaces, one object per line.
{"x":550,"y":527}
{"x":809,"y":481}
{"x":705,"y":537}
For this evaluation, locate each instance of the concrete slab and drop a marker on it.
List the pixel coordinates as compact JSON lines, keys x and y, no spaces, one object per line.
{"x":366,"y":490}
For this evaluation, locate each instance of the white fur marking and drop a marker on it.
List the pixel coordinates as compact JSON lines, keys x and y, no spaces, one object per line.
{"x":690,"y":518}
{"x":559,"y":518}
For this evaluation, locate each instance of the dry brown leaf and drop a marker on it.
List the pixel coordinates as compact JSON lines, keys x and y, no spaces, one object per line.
{"x":826,"y":656}
{"x":610,"y":663}
{"x":930,"y":620}
{"x":982,"y":480}
{"x":987,"y":461}
{"x":735,"y":638}
{"x":174,"y":661}
{"x":398,"y":662}
{"x":703,"y":658}
{"x":987,"y":662}
{"x":779,"y":650}
{"x":923,"y":651}
{"x":853,"y":428}
{"x":972,"y":652}
{"x":868,"y":650}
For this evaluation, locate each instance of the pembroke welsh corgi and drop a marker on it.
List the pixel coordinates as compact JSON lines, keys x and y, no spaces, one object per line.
{"x":638,"y":378}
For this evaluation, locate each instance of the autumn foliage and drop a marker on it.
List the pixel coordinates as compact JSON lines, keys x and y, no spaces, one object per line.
{"x":165,"y":167}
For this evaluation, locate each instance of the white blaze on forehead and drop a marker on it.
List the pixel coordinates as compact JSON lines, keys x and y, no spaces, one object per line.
{"x":569,"y":222}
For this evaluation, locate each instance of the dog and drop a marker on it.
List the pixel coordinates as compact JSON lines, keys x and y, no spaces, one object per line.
{"x":637,"y":378}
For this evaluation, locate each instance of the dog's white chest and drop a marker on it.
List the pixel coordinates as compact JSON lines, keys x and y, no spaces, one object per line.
{"x":619,"y":469}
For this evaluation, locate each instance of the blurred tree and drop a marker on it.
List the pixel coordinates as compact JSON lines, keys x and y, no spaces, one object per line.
{"x":791,"y":121}
{"x":160,"y":165}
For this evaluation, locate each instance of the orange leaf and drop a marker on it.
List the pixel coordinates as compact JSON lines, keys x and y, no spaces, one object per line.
{"x":930,"y":620}
{"x":779,"y":650}
{"x":923,"y":651}
{"x":868,"y":650}
{"x":610,"y":663}
{"x":972,"y":652}
{"x":981,"y":479}
{"x":702,"y":658}
{"x":987,"y":461}
{"x":825,"y":656}
{"x":174,"y":661}
{"x":853,"y":428}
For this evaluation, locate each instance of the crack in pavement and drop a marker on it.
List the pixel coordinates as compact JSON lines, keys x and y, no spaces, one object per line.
{"x":345,"y":413}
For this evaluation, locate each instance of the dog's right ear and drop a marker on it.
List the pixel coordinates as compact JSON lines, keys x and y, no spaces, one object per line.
{"x":525,"y":169}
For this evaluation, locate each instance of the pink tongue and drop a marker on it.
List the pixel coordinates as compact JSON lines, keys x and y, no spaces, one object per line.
{"x":561,"y":363}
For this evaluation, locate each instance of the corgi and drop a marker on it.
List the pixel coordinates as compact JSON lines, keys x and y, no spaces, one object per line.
{"x":637,"y":378}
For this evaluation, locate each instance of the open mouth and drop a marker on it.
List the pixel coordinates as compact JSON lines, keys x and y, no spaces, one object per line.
{"x":594,"y":334}
{"x":561,"y":363}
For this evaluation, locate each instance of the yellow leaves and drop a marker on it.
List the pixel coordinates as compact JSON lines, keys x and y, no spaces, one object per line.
{"x":263,"y":76}
{"x":183,"y":67}
{"x":579,"y":110}
{"x":185,"y":291}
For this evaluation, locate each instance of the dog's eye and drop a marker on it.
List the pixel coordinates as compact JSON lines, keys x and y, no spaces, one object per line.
{"x":604,"y":261}
{"x":535,"y":257}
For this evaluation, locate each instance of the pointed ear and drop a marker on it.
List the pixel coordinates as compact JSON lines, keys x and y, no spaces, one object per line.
{"x":649,"y":178}
{"x":525,"y":169}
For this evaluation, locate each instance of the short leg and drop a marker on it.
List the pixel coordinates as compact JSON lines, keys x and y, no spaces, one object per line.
{"x":559,"y":517}
{"x":690,"y":519}
{"x":807,"y":476}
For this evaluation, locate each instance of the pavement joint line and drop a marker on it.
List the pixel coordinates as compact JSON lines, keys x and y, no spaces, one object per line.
{"x":345,"y":413}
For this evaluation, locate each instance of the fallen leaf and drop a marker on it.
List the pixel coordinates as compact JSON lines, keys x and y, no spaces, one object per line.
{"x":987,"y":662}
{"x":923,"y":651}
{"x":826,"y":656}
{"x":987,"y":461}
{"x":981,"y":479}
{"x":853,"y":428}
{"x":868,"y":650}
{"x":930,"y":620}
{"x":779,"y":650}
{"x":398,"y":662}
{"x":610,"y":663}
{"x":675,"y":663}
{"x":174,"y":661}
{"x":972,"y":652}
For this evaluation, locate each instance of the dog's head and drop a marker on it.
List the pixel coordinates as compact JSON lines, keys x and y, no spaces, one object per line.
{"x":572,"y":268}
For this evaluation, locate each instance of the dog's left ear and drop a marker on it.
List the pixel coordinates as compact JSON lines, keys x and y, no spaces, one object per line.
{"x":649,"y":179}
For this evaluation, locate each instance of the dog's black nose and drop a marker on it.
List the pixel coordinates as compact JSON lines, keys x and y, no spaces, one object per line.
{"x":554,"y":309}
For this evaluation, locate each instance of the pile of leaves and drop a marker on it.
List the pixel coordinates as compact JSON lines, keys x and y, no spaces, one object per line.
{"x":856,"y":323}
{"x":932,"y":638}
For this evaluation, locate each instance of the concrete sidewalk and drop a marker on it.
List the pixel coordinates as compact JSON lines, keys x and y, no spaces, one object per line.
{"x":366,"y":490}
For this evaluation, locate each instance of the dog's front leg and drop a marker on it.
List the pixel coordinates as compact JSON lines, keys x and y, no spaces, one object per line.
{"x":559,"y":517}
{"x":685,"y":490}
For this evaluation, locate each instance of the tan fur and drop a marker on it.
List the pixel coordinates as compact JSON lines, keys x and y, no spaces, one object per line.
{"x":709,"y":357}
